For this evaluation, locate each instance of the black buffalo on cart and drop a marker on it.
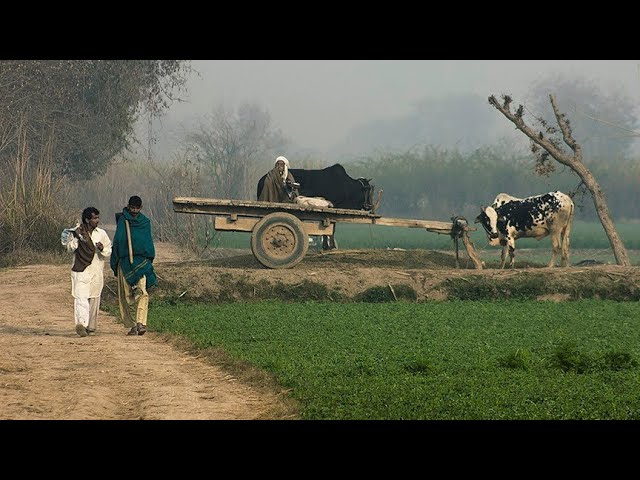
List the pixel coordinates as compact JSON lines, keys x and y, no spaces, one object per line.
{"x":334,"y":184}
{"x":280,"y":231}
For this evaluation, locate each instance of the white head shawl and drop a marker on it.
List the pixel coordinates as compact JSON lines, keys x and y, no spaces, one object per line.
{"x":286,"y":167}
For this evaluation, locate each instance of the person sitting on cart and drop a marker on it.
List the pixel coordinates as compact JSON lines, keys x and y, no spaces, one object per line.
{"x":279,"y":184}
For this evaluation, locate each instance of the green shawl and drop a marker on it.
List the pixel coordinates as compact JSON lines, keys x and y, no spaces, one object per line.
{"x":143,"y":249}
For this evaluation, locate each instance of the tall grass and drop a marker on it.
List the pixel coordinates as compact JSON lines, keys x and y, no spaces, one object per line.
{"x":157,"y":184}
{"x":33,"y":210}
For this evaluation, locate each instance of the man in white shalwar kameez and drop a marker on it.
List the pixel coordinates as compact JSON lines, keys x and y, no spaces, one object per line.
{"x":91,"y":246}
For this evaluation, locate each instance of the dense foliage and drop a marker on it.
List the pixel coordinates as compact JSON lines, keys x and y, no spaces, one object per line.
{"x":81,"y":111}
{"x":434,"y":183}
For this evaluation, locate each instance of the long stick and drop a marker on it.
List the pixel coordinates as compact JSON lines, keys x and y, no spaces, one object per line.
{"x":126,"y":223}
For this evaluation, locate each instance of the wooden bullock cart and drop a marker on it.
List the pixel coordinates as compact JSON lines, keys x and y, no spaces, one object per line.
{"x":280,"y":231}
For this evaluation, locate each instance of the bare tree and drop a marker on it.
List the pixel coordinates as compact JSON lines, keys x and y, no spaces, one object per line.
{"x":552,"y":146}
{"x":232,"y":146}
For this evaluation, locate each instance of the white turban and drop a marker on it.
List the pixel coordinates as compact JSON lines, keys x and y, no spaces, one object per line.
{"x":286,"y":162}
{"x":286,"y":166}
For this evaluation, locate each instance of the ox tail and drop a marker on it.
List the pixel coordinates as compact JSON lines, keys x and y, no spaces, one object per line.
{"x":566,"y":232}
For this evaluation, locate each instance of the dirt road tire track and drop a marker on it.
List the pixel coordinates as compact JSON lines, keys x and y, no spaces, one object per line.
{"x":48,"y":372}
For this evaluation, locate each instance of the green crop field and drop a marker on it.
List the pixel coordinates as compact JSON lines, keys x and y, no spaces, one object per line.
{"x":434,"y":360}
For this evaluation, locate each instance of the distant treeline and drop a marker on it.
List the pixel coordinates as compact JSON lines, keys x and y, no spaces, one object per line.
{"x":433,"y":183}
{"x":425,"y":183}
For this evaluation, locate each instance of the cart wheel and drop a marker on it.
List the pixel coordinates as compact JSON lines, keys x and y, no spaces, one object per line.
{"x":279,"y":240}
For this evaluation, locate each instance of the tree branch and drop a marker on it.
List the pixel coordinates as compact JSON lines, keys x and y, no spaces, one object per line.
{"x":565,"y":128}
{"x":536,"y":137}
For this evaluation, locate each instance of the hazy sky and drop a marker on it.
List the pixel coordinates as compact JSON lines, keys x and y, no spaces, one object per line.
{"x":317,"y":102}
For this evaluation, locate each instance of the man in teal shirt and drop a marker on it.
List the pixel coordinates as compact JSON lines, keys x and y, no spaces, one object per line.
{"x":132,"y":262}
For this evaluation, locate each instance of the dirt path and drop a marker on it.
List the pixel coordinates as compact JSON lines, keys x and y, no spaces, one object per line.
{"x":48,"y":372}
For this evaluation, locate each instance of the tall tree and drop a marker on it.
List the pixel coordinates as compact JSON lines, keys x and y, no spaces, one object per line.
{"x":86,"y":108}
{"x":548,"y":144}
{"x":233,"y":146}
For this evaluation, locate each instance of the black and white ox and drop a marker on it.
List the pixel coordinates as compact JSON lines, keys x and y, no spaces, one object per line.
{"x":510,"y":218}
{"x":334,"y":185}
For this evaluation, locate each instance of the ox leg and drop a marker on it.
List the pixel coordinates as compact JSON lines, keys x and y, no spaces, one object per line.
{"x":564,"y":261}
{"x":511,"y":243}
{"x":509,"y":246}
{"x":328,"y":242}
{"x":555,"y":249}
{"x":503,"y":256}
{"x":512,"y":256}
